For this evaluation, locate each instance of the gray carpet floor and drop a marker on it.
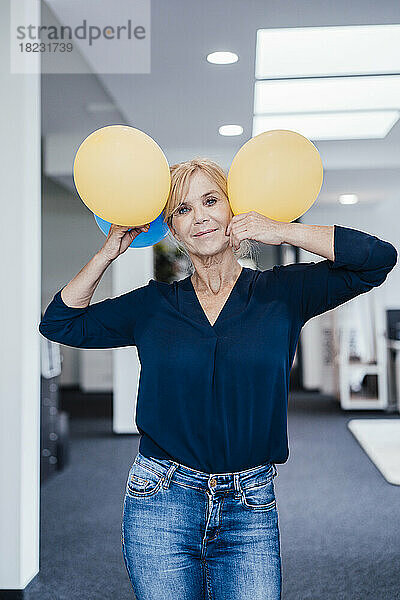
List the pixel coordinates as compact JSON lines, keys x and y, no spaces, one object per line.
{"x":339,"y":518}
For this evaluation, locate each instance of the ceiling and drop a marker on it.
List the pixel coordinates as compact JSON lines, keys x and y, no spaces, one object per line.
{"x":184,"y":99}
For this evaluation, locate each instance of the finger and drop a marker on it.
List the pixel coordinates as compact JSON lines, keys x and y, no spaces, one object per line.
{"x":242,"y":234}
{"x":238,"y":238}
{"x":243,"y":231}
{"x":236,"y":219}
{"x":234,"y":242}
{"x":238,"y":242}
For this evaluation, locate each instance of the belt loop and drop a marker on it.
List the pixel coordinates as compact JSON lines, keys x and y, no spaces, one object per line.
{"x":168,"y":476}
{"x":236,"y":482}
{"x":275,"y":471}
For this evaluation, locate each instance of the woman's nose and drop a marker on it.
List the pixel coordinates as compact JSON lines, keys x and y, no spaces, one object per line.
{"x":200,"y":220}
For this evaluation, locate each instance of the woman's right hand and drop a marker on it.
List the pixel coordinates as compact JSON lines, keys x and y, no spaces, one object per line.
{"x":119,"y":239}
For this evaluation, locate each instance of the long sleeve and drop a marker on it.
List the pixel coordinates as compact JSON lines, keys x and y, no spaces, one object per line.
{"x":106,"y":324}
{"x":361,"y":262}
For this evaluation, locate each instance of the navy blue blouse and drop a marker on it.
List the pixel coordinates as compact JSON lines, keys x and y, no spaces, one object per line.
{"x":214,"y":397}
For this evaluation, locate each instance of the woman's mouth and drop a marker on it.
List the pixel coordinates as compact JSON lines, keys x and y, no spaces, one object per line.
{"x":204,"y":232}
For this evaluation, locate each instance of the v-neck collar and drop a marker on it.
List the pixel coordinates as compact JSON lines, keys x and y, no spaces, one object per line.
{"x":190,"y":304}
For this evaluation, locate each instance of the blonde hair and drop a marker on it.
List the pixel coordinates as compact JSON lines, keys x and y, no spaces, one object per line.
{"x":180,"y":179}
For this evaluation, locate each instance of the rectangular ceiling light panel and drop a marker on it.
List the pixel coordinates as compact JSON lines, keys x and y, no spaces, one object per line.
{"x":331,"y":126}
{"x":327,"y":51}
{"x":313,"y":95}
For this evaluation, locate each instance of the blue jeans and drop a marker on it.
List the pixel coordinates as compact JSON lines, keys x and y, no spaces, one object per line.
{"x":191,"y":535}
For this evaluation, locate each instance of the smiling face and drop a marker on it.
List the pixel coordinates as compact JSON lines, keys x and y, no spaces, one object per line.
{"x":204,"y":208}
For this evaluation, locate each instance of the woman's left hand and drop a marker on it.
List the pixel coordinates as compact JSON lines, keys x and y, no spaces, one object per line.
{"x":253,"y":226}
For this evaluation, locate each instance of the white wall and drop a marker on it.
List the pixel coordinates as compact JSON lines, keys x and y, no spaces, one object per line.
{"x":20,"y":313}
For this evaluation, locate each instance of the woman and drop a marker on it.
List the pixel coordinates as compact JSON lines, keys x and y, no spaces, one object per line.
{"x":200,"y":518}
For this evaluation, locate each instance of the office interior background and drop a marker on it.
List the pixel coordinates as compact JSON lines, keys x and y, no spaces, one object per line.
{"x":330,"y":71}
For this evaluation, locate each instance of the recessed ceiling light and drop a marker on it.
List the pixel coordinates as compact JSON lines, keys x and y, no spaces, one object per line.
{"x":230,"y":129}
{"x":348,"y":199}
{"x":222,"y":58}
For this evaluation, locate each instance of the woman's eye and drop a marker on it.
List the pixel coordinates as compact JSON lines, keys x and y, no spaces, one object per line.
{"x":182,"y":207}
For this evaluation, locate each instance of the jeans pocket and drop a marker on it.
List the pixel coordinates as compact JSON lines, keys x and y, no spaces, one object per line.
{"x":143,"y":481}
{"x":259,"y":497}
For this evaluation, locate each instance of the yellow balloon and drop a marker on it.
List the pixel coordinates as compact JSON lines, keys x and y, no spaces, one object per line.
{"x":122,"y":175}
{"x":277,"y":173}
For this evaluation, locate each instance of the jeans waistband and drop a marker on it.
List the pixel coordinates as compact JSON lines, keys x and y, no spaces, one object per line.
{"x":212,"y":481}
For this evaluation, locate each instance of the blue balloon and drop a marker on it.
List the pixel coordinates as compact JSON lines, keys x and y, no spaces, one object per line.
{"x":158,"y":230}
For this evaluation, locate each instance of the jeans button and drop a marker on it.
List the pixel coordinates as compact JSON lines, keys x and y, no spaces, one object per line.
{"x":213,"y":482}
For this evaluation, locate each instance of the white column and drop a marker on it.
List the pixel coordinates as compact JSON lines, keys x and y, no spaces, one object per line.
{"x":20,"y":305}
{"x":131,"y":270}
